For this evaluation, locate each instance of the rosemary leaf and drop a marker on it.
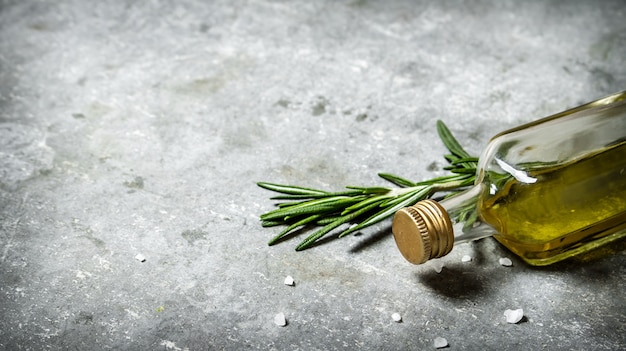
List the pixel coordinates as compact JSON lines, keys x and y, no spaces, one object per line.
{"x":450,"y":141}
{"x":327,"y":220}
{"x":319,"y":234}
{"x":442,"y":179}
{"x":271,"y":223}
{"x":292,"y":227}
{"x":397,"y":180}
{"x":303,"y":210}
{"x":371,"y":190}
{"x":316,"y":196}
{"x":289,"y":189}
{"x":297,"y":197}
{"x":364,"y":203}
{"x":465,"y":160}
{"x":460,"y":170}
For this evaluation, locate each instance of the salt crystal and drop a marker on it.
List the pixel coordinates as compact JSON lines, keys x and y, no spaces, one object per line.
{"x":505,"y":261}
{"x":514,"y":316}
{"x":396,"y":317}
{"x":140,"y":258}
{"x":289,"y":281}
{"x":440,"y":342}
{"x":466,"y":258}
{"x":280,"y":320}
{"x":437,"y":266}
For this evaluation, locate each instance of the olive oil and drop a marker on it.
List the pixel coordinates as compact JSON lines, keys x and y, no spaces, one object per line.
{"x":547,"y":190}
{"x":570,"y":208}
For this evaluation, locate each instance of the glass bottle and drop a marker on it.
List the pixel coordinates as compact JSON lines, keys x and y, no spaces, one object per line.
{"x":547,"y":190}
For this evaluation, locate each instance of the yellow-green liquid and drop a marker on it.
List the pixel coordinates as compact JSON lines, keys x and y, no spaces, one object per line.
{"x":570,"y":209}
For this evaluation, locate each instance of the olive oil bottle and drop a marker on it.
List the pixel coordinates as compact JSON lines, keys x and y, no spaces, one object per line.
{"x":547,"y":191}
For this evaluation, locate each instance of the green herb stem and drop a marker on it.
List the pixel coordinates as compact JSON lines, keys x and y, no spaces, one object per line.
{"x":361,"y":207}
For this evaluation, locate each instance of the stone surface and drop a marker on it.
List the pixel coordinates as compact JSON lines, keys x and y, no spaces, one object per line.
{"x":130,"y":127}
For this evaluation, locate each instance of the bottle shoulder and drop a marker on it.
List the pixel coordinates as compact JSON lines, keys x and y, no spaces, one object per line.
{"x":558,"y":139}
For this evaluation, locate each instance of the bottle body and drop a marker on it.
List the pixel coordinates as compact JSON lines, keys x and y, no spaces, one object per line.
{"x":550,"y":189}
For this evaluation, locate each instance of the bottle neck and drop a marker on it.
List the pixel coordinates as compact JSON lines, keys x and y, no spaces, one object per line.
{"x":430,"y":229}
{"x":462,"y":209}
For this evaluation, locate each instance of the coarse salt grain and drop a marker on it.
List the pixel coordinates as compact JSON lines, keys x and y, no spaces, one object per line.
{"x":289,"y":281}
{"x":280,"y":320}
{"x":514,"y":316}
{"x":140,"y":258}
{"x":440,"y":342}
{"x":396,"y":317}
{"x":466,"y":258}
{"x":437,"y":266}
{"x":505,"y":261}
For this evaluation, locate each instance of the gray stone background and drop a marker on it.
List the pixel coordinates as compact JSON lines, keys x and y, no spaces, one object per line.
{"x":133,"y":128}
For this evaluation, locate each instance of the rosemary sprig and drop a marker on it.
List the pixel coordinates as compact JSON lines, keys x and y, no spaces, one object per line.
{"x":363,"y":206}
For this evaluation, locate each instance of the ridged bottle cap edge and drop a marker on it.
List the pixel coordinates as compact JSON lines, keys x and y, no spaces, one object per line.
{"x":423,"y":231}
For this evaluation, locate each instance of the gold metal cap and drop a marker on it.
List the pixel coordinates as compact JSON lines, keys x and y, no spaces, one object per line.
{"x":423,"y":231}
